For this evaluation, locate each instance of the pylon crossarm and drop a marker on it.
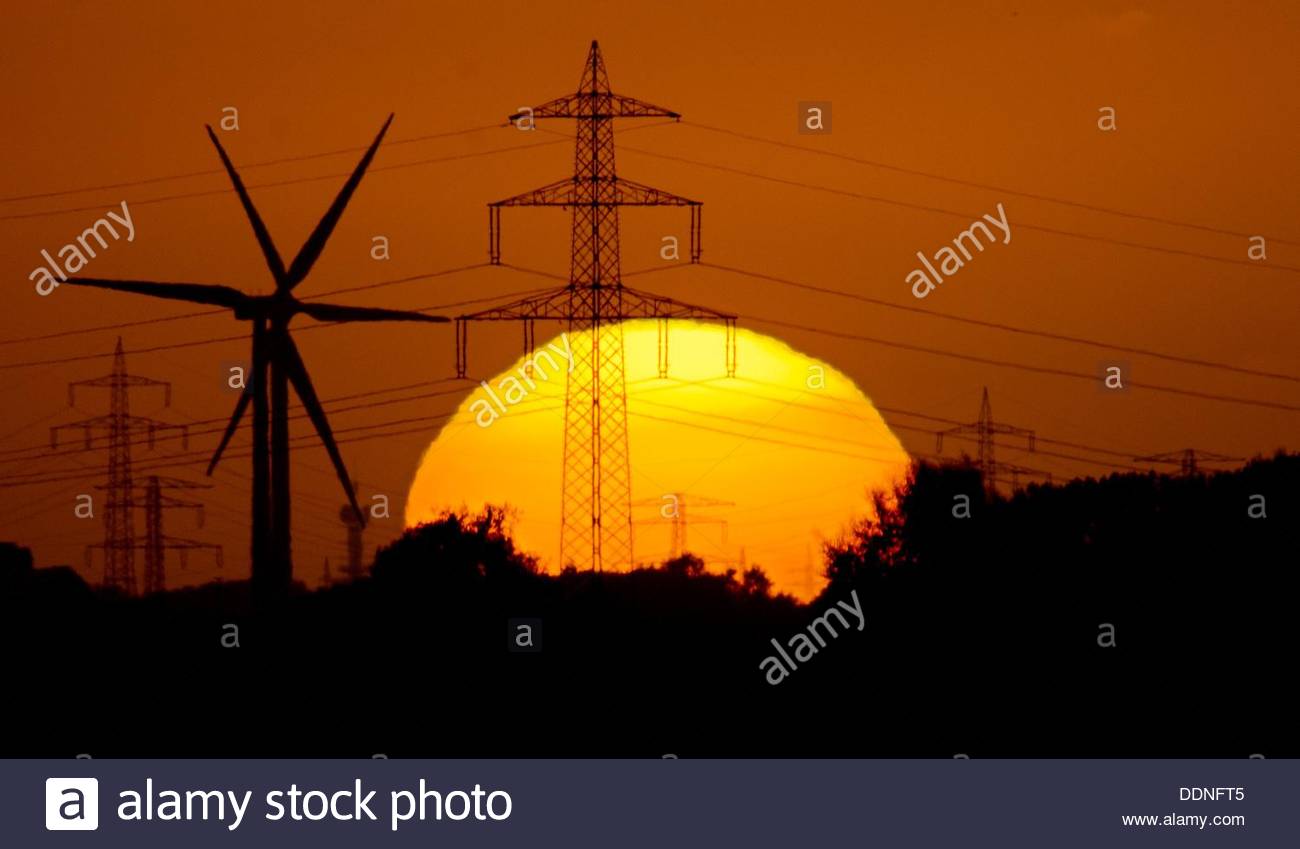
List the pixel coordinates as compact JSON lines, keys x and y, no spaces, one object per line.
{"x":559,"y":193}
{"x":551,"y":305}
{"x":120,"y":380}
{"x":638,"y":304}
{"x":615,"y":192}
{"x":555,"y":305}
{"x":131,"y":424}
{"x":601,"y":105}
{"x":1177,"y":457}
{"x":632,"y":193}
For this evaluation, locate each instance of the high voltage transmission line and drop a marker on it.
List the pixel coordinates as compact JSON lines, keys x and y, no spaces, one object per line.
{"x":287,"y":182}
{"x":36,"y":453}
{"x":410,"y":278}
{"x":1001,"y":326}
{"x":873,"y":163}
{"x":219,"y":339}
{"x":1028,"y":367}
{"x":303,"y":415}
{"x":1190,"y":361}
{"x":856,"y":160}
{"x":920,"y":207}
{"x":274,"y":183}
{"x":199,"y":455}
{"x":210,"y":172}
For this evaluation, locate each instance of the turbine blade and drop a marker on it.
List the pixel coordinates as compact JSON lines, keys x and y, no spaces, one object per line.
{"x":293,"y":364}
{"x":273,"y":260}
{"x":254,"y":384}
{"x":338,"y":312}
{"x":315,"y":243}
{"x":199,"y":293}
{"x":240,"y":407}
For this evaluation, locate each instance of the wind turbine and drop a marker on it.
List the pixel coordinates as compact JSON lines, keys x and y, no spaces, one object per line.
{"x":275,"y":352}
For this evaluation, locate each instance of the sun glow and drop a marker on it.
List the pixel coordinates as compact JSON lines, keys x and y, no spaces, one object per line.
{"x":763,"y":467}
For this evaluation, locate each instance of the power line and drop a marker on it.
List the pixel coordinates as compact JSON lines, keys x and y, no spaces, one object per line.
{"x":221,"y":429}
{"x":901,"y":426}
{"x":242,"y":337}
{"x":756,"y":438}
{"x":42,"y":504}
{"x":280,"y":183}
{"x":1137,"y":216}
{"x":144,"y":181}
{"x":1057,"y":231}
{"x":81,"y":331}
{"x":299,"y":180}
{"x":1009,"y":328}
{"x":195,"y":456}
{"x":1055,"y":372}
{"x":192,"y":457}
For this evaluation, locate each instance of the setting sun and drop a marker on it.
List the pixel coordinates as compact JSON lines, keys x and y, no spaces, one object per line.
{"x":776,"y":459}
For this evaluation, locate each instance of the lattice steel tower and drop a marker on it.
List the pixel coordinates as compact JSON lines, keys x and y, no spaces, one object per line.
{"x":355,"y":542}
{"x":1188,"y":460}
{"x":156,"y":541}
{"x":121,"y":427}
{"x":984,"y":430}
{"x":596,"y":524}
{"x":680,"y":518}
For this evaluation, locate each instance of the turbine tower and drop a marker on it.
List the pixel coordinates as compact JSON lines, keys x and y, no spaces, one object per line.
{"x":596,"y":510}
{"x":275,"y":352}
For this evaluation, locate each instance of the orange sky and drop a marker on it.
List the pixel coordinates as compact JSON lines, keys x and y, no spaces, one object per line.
{"x":993,"y":93}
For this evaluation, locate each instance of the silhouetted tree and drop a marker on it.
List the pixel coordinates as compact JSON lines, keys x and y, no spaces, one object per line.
{"x":754,"y":581}
{"x":687,"y":566}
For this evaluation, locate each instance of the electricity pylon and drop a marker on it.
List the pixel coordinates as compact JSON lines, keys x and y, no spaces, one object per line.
{"x":1188,"y":460}
{"x":679,"y":519}
{"x":156,"y":542}
{"x":984,"y":430}
{"x":596,"y":511}
{"x":121,"y":428}
{"x":355,"y":540}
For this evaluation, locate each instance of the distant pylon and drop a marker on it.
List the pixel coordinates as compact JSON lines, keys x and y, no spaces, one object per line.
{"x":984,"y":429}
{"x":596,"y":513}
{"x":121,"y":427}
{"x":355,"y":541}
{"x":156,"y":541}
{"x":680,"y":518}
{"x":1188,"y":460}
